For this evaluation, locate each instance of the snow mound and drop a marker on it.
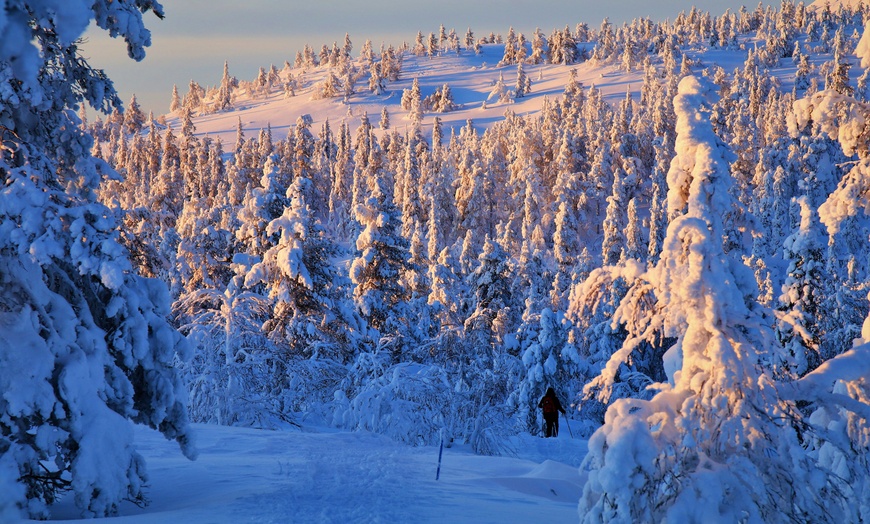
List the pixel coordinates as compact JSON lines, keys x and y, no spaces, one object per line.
{"x":549,"y":480}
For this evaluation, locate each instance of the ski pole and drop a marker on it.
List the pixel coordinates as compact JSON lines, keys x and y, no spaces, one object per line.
{"x":568,"y":424}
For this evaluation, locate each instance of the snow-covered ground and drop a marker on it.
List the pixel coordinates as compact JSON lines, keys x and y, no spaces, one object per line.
{"x":322,"y":475}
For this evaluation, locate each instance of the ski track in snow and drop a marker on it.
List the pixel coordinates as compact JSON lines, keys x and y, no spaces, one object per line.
{"x":320,"y":475}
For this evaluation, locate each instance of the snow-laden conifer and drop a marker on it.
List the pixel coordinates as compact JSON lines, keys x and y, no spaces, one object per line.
{"x":383,"y":254}
{"x":718,"y":442}
{"x":802,"y":294}
{"x":86,"y":348}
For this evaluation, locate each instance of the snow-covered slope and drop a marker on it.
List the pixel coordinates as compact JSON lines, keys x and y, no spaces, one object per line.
{"x":319,"y":475}
{"x":471,"y":79}
{"x":835,"y":4}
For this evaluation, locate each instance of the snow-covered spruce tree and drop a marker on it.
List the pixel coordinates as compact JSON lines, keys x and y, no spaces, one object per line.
{"x":539,"y":48}
{"x":340,"y":220}
{"x":330,"y":87}
{"x":224,"y":98}
{"x":500,"y":91}
{"x":193,"y":99}
{"x":545,"y":365}
{"x":134,"y":118}
{"x":615,"y":219}
{"x":229,"y":365}
{"x":838,"y":390}
{"x":719,"y":442}
{"x":802,"y":294}
{"x":85,"y":346}
{"x":301,"y":281}
{"x":412,"y":101}
{"x":310,"y":319}
{"x":175,"y":103}
{"x":377,"y":272}
{"x":447,"y":289}
{"x":592,"y":303}
{"x":487,"y":370}
{"x":658,"y":205}
{"x":522,"y":85}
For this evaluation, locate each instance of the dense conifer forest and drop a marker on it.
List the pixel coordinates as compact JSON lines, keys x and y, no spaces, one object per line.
{"x":687,"y":266}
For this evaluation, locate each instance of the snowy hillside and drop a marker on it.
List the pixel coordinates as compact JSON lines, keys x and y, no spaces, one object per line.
{"x":471,"y":78}
{"x":835,"y":4}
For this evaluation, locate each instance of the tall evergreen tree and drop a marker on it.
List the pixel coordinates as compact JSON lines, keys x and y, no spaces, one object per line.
{"x":377,"y":272}
{"x":86,"y":348}
{"x":490,"y":283}
{"x":134,"y":118}
{"x":175,"y":103}
{"x":802,"y":295}
{"x":715,"y":424}
{"x":305,"y":289}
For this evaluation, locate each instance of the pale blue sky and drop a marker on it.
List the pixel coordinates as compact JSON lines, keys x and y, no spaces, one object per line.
{"x":198,"y":35}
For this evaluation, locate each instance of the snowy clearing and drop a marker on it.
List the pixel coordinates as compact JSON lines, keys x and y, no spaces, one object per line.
{"x":323,"y":475}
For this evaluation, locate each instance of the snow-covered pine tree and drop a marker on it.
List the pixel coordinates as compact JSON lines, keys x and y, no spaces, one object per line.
{"x":175,"y":103}
{"x":226,"y":89}
{"x":86,"y":347}
{"x":308,"y":316}
{"x":500,"y":91}
{"x":522,"y":84}
{"x":134,"y":118}
{"x":802,"y":294}
{"x":193,"y":98}
{"x":378,"y":270}
{"x":721,"y":441}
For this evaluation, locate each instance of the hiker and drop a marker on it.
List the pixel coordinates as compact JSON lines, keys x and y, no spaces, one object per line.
{"x":552,"y":407}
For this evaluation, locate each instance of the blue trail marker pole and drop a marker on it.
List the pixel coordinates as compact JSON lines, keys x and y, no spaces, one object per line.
{"x":440,"y":452}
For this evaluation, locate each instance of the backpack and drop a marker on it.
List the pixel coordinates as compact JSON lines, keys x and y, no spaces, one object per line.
{"x":548,"y":404}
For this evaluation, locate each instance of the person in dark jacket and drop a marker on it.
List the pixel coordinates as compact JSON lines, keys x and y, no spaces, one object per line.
{"x":552,"y":407}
